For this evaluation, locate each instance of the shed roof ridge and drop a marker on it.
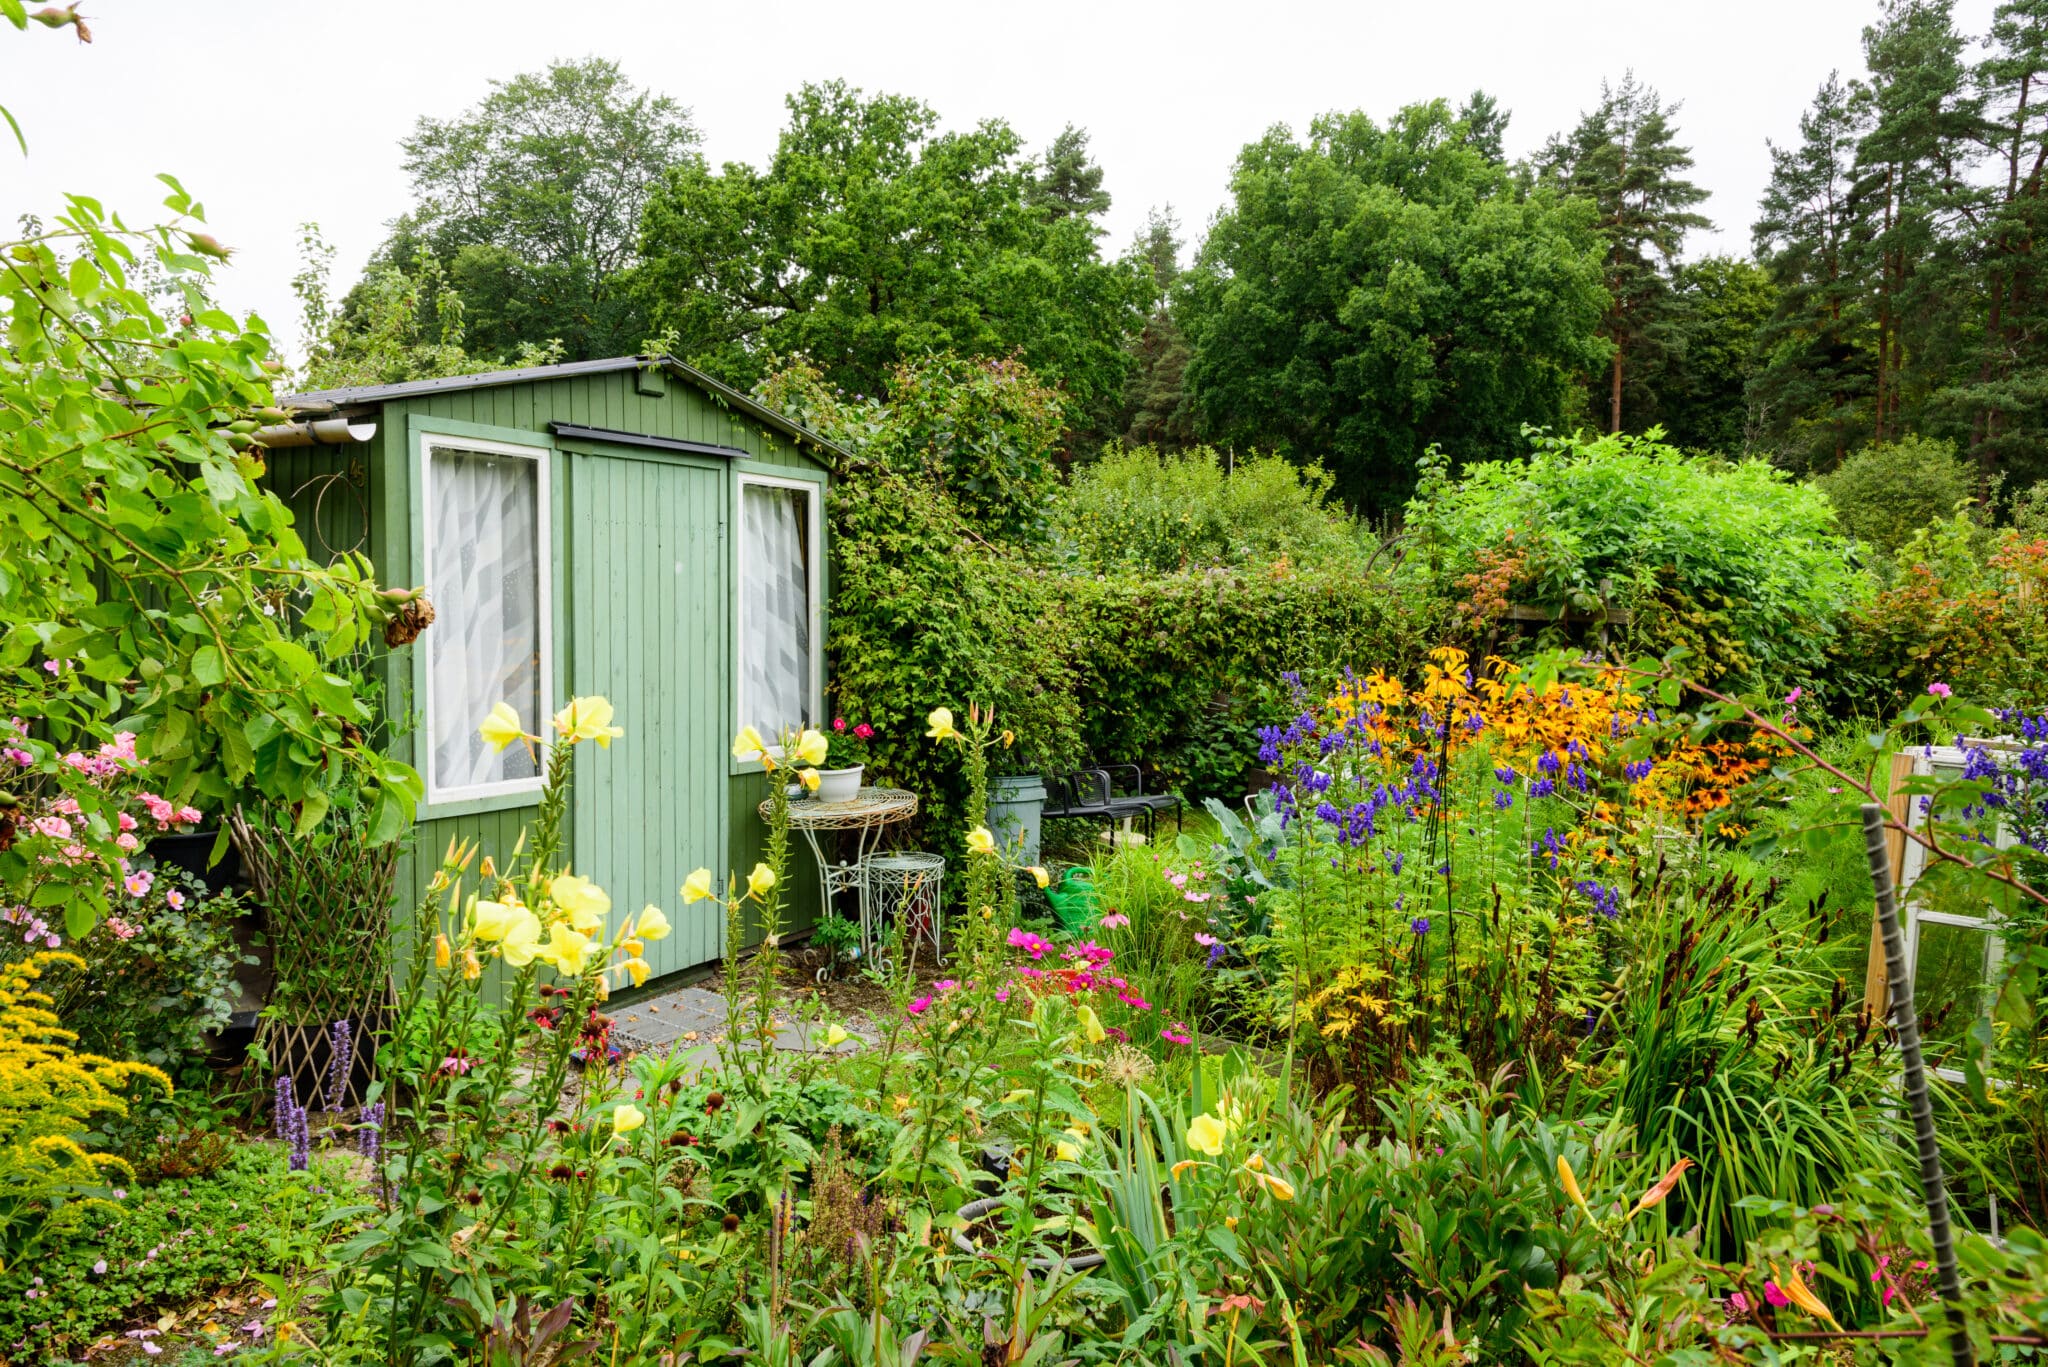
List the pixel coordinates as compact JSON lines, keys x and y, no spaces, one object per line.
{"x":328,"y":399}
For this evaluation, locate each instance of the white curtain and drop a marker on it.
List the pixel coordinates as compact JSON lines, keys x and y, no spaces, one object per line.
{"x":484,"y":566}
{"x":775,"y":608}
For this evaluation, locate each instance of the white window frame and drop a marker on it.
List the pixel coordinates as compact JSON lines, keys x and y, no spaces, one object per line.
{"x":1926,"y":759}
{"x":542,"y":458}
{"x":814,"y":578}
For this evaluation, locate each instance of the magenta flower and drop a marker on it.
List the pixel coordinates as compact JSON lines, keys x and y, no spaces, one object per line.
{"x":1204,"y":940}
{"x":1029,"y":943}
{"x":921,"y":1005}
{"x":864,"y":731}
{"x":946,"y":985}
{"x":1940,"y":690}
{"x":1115,"y":919}
{"x":1738,"y":1303}
{"x":1177,"y":1033}
{"x":1775,"y":1296}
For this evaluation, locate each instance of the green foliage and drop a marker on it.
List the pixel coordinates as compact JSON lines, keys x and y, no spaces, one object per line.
{"x":1373,"y":290}
{"x":168,"y":1245}
{"x":1887,"y":491}
{"x":1697,"y":389}
{"x":1139,"y":509}
{"x":149,"y":582}
{"x":872,"y":238}
{"x":1675,"y":535}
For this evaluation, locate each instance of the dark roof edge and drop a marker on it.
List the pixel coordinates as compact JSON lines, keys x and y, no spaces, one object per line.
{"x":408,"y":389}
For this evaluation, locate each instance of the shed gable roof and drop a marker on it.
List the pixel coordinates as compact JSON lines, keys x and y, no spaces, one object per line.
{"x":332,"y":400}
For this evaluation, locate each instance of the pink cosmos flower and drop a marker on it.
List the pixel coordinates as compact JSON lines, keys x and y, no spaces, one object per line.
{"x":1029,"y":943}
{"x":1177,"y":1033}
{"x":945,"y":985}
{"x":920,"y":1005}
{"x":1792,"y":700}
{"x":1940,"y":690}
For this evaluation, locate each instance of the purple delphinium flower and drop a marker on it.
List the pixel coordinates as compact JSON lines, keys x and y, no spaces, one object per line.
{"x":340,"y":1064}
{"x":1502,"y":799}
{"x":1605,"y":900}
{"x":1420,"y":925}
{"x":1543,"y":787}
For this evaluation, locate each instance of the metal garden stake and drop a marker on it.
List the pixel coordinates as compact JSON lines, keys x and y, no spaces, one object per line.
{"x":1907,"y":1022}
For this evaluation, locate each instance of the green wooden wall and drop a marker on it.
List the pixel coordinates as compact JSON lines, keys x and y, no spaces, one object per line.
{"x":643,"y":613}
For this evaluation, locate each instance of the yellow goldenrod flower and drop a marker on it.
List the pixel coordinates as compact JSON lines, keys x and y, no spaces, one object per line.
{"x":759,"y":881}
{"x":749,"y":745}
{"x":637,"y":970}
{"x":501,"y":727}
{"x":587,"y":719}
{"x":696,"y":887}
{"x":979,"y":841}
{"x":834,"y":1036}
{"x":1091,"y":1025}
{"x":941,"y":723}
{"x":652,"y":925}
{"x":1570,"y":1184}
{"x":1206,"y":1135}
{"x":443,"y":954}
{"x":567,"y":950}
{"x":810,"y":747}
{"x":1039,"y":876}
{"x":627,"y":1118}
{"x":520,"y":944}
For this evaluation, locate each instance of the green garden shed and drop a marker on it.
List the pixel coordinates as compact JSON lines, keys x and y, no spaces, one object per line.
{"x":626,"y":527}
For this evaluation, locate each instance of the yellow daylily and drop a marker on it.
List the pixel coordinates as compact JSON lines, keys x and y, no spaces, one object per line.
{"x":582,"y":901}
{"x":1570,"y":1183}
{"x":567,"y":950}
{"x":588,"y":719}
{"x":1799,"y":1294}
{"x":809,"y":778}
{"x":749,"y":745}
{"x":1091,"y":1025}
{"x":810,"y":746}
{"x":696,"y":887}
{"x":1039,"y":876}
{"x":627,"y":1118}
{"x":941,"y":723}
{"x":501,"y":727}
{"x":760,"y":880}
{"x":979,"y":841}
{"x":637,"y":970}
{"x":653,"y":925}
{"x":834,"y":1036}
{"x":1206,"y":1135}
{"x":520,"y":944}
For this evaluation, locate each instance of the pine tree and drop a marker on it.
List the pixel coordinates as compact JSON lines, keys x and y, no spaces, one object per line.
{"x":1625,"y":157}
{"x":1067,"y":184}
{"x":1156,"y":409}
{"x":1814,"y":388}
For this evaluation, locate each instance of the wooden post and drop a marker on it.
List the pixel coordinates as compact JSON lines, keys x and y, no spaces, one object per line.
{"x":1875,"y":977}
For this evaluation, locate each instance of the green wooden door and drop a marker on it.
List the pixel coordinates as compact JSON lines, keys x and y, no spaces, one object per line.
{"x":646,"y":598}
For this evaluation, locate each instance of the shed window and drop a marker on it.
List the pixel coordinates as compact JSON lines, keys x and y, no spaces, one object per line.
{"x":778,"y":608}
{"x":487,"y":574}
{"x":1953,"y":948}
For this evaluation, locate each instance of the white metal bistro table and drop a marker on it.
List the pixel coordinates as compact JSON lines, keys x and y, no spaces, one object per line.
{"x":870,"y":812}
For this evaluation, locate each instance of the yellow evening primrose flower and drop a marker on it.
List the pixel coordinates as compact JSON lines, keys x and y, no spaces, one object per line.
{"x":653,"y":925}
{"x":637,"y":970}
{"x":501,"y":727}
{"x":809,"y":778}
{"x":941,"y":724}
{"x":582,"y":901}
{"x":472,"y":967}
{"x":1069,"y":1152}
{"x":749,"y":745}
{"x":1039,"y":876}
{"x":696,"y":887}
{"x":810,"y":746}
{"x":520,"y":944}
{"x":444,"y":954}
{"x":627,"y":1118}
{"x":1206,"y":1135}
{"x":1091,"y":1025}
{"x":834,"y":1036}
{"x":979,"y":841}
{"x":1020,"y":1094}
{"x":760,"y":880}
{"x":491,"y":919}
{"x":588,"y":719}
{"x":1279,"y":1188}
{"x":567,"y":949}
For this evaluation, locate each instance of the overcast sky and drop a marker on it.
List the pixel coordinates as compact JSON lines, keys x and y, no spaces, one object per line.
{"x":280,"y":111}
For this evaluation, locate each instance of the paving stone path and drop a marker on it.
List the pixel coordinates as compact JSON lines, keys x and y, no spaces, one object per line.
{"x":692,"y":1019}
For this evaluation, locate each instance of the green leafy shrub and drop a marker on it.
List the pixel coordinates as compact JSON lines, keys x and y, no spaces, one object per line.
{"x":1885,"y":492}
{"x":1146,"y":510}
{"x":1734,"y":550}
{"x":168,"y":1245}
